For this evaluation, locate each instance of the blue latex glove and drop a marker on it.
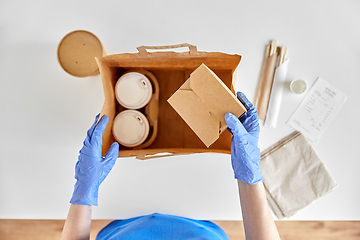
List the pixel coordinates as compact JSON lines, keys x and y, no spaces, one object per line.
{"x":245,"y":154}
{"x":91,"y":169}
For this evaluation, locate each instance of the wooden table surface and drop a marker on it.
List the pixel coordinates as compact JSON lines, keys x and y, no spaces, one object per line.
{"x":294,"y":230}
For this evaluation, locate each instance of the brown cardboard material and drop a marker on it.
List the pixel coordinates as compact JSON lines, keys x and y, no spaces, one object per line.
{"x":202,"y":102}
{"x":77,"y":51}
{"x":171,"y":69}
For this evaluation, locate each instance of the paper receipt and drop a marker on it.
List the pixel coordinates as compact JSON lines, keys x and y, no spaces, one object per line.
{"x":317,"y":110}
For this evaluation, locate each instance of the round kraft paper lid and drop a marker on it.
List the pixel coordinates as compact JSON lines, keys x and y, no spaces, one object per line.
{"x":133,"y":90}
{"x":131,"y":128}
{"x":77,"y":51}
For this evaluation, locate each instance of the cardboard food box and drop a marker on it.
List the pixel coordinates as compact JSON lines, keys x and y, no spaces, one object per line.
{"x":171,"y":70}
{"x":202,"y":101}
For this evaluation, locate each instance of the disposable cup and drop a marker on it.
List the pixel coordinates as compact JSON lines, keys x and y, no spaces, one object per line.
{"x":130,"y":128}
{"x":133,"y":90}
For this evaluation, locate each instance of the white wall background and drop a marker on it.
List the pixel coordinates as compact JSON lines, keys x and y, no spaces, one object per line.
{"x":45,"y":112}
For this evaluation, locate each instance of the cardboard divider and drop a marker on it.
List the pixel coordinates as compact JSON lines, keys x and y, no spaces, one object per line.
{"x":171,"y":70}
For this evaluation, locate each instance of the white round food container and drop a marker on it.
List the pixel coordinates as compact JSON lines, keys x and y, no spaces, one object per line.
{"x":130,"y":128}
{"x":298,"y":86}
{"x":133,"y":90}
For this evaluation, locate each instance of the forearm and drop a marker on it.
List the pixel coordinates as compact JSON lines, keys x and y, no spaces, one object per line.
{"x":78,"y":222}
{"x":258,"y":221}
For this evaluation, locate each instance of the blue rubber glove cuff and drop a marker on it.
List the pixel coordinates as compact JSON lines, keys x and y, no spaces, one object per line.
{"x":245,"y":154}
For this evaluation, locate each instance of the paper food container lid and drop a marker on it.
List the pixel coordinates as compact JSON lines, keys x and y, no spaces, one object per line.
{"x":130,"y":128}
{"x":133,"y":90}
{"x":77,"y":51}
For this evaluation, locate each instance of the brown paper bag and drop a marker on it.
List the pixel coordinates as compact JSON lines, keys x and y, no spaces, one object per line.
{"x":171,"y":70}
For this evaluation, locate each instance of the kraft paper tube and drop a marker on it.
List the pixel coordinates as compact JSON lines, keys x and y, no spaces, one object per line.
{"x":265,"y":83}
